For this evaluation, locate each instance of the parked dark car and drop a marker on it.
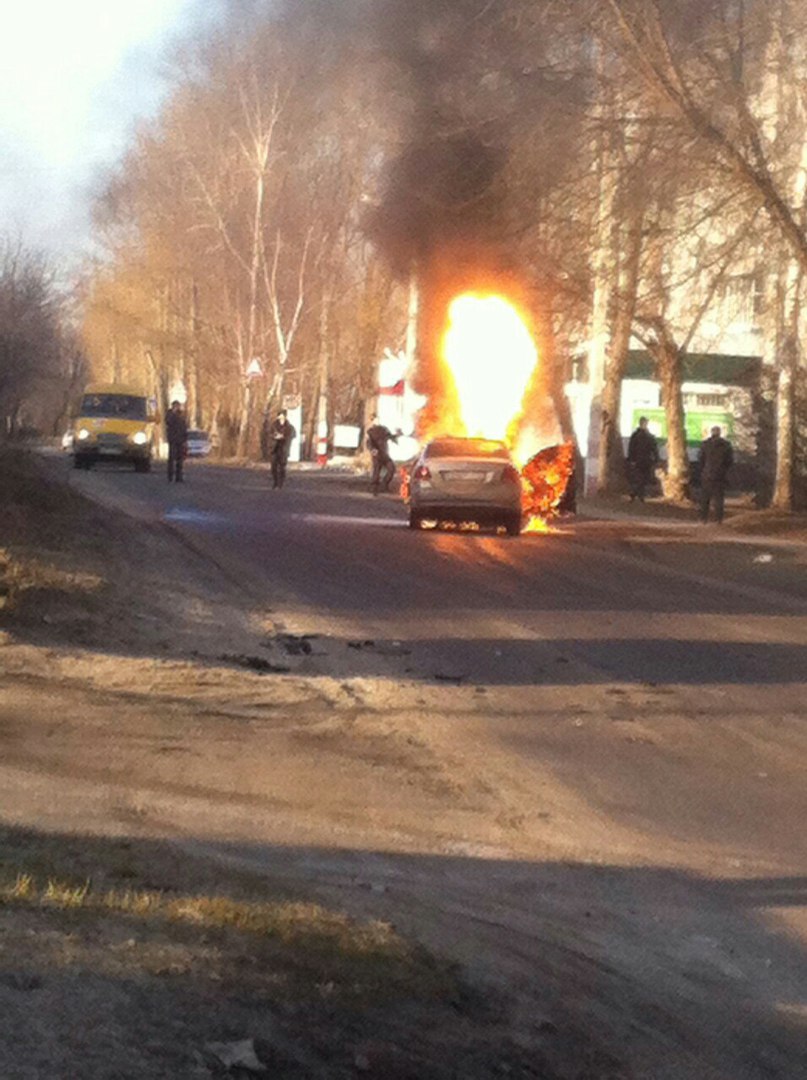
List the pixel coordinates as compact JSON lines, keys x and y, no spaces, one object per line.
{"x":199,"y":443}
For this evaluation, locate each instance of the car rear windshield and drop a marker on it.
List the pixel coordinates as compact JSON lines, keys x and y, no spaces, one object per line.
{"x":122,"y":406}
{"x":448,"y":448}
{"x":198,"y":435}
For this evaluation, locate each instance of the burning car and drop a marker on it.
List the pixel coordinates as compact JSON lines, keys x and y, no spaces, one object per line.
{"x":465,"y":480}
{"x":481,"y":380}
{"x":550,"y":486}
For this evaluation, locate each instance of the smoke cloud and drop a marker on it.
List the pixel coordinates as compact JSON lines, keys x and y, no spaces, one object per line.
{"x":441,"y":209}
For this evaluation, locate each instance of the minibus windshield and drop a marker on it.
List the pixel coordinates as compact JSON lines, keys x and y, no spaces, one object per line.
{"x":118,"y":406}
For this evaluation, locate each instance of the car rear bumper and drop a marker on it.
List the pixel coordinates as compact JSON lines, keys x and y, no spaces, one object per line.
{"x":464,"y":510}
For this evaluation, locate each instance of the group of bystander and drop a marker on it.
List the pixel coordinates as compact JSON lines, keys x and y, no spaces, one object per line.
{"x":714,"y":461}
{"x":281,"y":435}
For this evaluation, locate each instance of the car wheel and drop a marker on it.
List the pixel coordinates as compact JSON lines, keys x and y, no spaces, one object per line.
{"x":142,"y":466}
{"x":513,"y":525}
{"x":415,"y":519}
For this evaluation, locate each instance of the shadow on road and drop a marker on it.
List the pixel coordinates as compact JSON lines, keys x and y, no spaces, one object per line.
{"x":568,"y":969}
{"x":581,"y":662}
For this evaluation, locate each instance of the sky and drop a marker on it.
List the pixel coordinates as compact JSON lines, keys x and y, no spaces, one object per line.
{"x":75,"y":78}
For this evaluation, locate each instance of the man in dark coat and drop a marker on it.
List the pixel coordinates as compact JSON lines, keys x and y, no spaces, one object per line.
{"x":176,"y":435}
{"x":378,"y":440}
{"x":282,"y":433}
{"x":642,"y":460}
{"x":715,"y":459}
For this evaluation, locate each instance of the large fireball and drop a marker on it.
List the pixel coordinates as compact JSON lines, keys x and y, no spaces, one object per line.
{"x":490,"y":387}
{"x":491,"y":356}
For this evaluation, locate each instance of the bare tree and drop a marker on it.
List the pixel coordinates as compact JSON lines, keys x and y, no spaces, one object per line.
{"x":230,"y":235}
{"x":740,"y":89}
{"x":32,"y":333}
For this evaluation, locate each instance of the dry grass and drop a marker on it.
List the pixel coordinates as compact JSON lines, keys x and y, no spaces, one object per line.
{"x":292,"y":923}
{"x":166,"y":954}
{"x":92,"y":882}
{"x":20,"y":574}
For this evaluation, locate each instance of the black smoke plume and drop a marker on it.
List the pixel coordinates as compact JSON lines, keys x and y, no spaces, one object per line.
{"x":443,"y":187}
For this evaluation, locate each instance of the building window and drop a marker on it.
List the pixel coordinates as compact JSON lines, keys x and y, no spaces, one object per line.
{"x":740,"y":300}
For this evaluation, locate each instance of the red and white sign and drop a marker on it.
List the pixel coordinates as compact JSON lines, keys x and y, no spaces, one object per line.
{"x":398,"y":404}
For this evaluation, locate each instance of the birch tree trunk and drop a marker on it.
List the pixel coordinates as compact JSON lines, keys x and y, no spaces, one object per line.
{"x":791,"y":298}
{"x":603,"y":273}
{"x":783,"y":492}
{"x":252,"y":318}
{"x":612,"y":469}
{"x":245,"y":406}
{"x":324,"y":403}
{"x":667,"y":356}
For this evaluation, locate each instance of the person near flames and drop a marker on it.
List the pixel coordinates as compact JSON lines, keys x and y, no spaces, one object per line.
{"x":643,"y":457}
{"x":176,"y":435}
{"x":715,"y":459}
{"x":282,"y":434}
{"x":378,"y":440}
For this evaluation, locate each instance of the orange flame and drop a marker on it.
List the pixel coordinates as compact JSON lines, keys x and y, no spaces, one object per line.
{"x":491,"y":356}
{"x":491,"y":388}
{"x":536,"y":525}
{"x":547,"y":478}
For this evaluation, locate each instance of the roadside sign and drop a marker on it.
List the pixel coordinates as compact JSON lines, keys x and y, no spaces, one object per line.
{"x":346,"y":436}
{"x":254,"y":368}
{"x":698,"y":423}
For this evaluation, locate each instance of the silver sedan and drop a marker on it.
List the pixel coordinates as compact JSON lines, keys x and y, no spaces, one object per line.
{"x":466,"y":480}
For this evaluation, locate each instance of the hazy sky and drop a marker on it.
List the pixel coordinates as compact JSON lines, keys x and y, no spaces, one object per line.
{"x":74,"y":77}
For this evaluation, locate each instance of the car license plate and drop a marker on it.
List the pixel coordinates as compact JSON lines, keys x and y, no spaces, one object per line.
{"x":467,"y":476}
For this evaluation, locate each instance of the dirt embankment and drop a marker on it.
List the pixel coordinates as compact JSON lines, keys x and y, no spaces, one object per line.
{"x":73,"y":574}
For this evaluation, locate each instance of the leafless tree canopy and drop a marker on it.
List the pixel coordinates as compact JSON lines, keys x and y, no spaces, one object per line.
{"x":615,"y":162}
{"x":41,"y":362}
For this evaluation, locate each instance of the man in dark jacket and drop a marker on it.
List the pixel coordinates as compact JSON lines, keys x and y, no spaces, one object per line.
{"x":642,"y":460}
{"x":378,"y":440}
{"x":282,"y":433}
{"x":715,"y":459}
{"x":176,"y":435}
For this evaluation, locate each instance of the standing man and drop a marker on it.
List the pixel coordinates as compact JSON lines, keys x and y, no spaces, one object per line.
{"x":176,"y":435}
{"x":282,"y":434}
{"x":715,"y":459}
{"x":643,"y":458}
{"x":378,"y":440}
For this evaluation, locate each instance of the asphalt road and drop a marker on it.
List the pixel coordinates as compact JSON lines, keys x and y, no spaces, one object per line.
{"x":681,"y":639}
{"x":592,"y":602}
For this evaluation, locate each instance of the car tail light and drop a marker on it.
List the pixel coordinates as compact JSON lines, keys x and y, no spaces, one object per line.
{"x":511,"y":475}
{"x":422,"y":473}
